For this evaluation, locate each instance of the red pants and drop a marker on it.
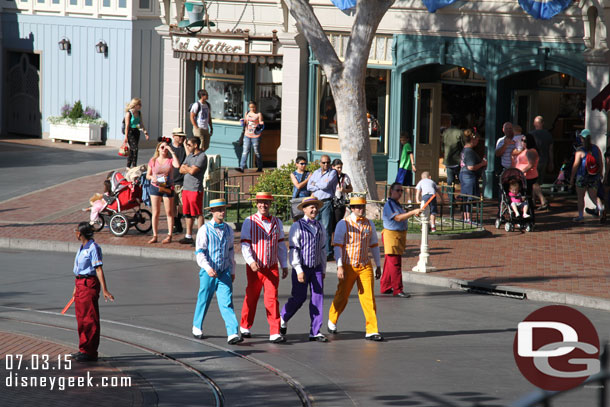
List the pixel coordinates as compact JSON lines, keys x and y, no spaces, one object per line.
{"x":269,"y":278}
{"x":392,"y":274}
{"x":87,"y":314}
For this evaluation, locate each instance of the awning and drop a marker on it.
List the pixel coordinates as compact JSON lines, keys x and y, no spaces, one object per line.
{"x":433,"y":5}
{"x":602,"y":100}
{"x":544,"y":9}
{"x":253,"y":59}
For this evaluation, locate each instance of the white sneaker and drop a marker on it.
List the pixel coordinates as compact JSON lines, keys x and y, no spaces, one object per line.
{"x":283,"y":323}
{"x":197,"y":333}
{"x":245,"y":332}
{"x":332,"y":328}
{"x":526,"y":215}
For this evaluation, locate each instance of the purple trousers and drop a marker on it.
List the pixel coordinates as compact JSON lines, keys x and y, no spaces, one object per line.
{"x":313,"y":279}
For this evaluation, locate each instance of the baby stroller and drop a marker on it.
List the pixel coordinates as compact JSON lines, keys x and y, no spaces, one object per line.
{"x":123,"y":209}
{"x":507,"y":215}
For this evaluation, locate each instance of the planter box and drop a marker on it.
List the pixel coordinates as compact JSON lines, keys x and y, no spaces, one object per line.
{"x":84,"y":133}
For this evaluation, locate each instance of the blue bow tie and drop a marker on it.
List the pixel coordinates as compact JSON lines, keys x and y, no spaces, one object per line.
{"x":218,"y":225}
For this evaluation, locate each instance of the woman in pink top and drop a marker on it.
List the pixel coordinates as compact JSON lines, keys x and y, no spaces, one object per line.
{"x":526,"y":160}
{"x":160,"y":173}
{"x":253,"y":124}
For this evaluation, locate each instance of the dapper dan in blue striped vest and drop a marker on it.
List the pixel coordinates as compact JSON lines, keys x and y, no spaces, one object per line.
{"x":218,"y":252}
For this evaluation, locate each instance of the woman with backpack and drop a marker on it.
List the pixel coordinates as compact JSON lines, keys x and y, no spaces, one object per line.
{"x":587,"y":169}
{"x":132,"y":124}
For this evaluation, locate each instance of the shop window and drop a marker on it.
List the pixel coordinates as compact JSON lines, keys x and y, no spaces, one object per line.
{"x":224,"y":82}
{"x":145,"y":4}
{"x":106,"y":3}
{"x":268,"y":93}
{"x":73,"y":2}
{"x":122,"y":3}
{"x":377,"y":98}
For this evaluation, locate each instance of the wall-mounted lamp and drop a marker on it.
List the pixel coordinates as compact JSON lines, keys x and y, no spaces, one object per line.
{"x":463,"y":73}
{"x":101,"y":48}
{"x":564,"y":79}
{"x":65,"y":45}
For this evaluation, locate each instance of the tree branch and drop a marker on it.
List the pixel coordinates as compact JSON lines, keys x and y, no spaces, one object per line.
{"x":368,"y":16}
{"x":309,"y":26}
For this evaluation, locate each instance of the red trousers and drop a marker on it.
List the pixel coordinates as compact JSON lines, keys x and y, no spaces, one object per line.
{"x":87,"y":314}
{"x":392,"y":274}
{"x":269,"y":279}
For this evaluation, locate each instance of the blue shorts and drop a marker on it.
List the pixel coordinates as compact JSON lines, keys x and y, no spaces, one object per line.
{"x":433,"y":207}
{"x":154,"y":191}
{"x":404,"y":177}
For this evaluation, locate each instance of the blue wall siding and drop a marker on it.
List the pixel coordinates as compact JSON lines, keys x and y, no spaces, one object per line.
{"x":100,"y":82}
{"x":147,"y":74}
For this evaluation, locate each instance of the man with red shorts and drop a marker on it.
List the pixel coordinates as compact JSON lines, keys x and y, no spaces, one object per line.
{"x":262,"y":245}
{"x":193,"y":169}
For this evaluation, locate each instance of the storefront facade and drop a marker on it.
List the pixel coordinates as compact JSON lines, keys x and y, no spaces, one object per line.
{"x":489,"y":62}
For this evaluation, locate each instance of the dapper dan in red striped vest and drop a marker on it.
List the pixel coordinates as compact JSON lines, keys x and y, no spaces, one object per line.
{"x":264,"y":242}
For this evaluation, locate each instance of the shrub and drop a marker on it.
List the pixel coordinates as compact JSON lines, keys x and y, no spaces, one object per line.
{"x":75,"y":115}
{"x":277,"y":181}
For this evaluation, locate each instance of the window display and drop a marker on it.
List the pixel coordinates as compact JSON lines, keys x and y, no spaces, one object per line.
{"x":376,"y":93}
{"x":225,"y":85}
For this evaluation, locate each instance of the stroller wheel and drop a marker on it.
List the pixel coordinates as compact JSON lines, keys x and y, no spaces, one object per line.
{"x":98,"y":225}
{"x":529,"y":228}
{"x":509,"y":227}
{"x":498,"y":223}
{"x":119,"y":225}
{"x":143,"y":221}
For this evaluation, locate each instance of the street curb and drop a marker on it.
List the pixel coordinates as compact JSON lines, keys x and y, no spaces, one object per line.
{"x":408,"y":277}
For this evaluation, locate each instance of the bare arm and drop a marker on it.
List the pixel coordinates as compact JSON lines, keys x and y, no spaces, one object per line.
{"x":100,"y":276}
{"x":127,"y":120}
{"x":149,"y":173}
{"x":260,"y":118}
{"x":404,"y":216}
{"x":193,"y":121}
{"x":577,"y":159}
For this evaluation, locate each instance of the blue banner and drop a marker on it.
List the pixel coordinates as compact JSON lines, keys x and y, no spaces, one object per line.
{"x":433,"y":5}
{"x":544,"y":9}
{"x":344,"y":4}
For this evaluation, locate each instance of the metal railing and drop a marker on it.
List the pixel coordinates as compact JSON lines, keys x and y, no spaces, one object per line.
{"x":451,"y":212}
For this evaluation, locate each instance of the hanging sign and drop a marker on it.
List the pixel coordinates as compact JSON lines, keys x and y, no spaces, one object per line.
{"x":209,"y":45}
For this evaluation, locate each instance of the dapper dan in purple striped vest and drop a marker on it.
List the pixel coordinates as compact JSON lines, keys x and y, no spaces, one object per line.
{"x":311,"y":250}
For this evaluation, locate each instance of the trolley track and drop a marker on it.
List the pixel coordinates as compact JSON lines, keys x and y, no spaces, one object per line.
{"x":302,"y":395}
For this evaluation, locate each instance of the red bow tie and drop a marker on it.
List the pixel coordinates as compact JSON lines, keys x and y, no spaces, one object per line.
{"x":268,"y":219}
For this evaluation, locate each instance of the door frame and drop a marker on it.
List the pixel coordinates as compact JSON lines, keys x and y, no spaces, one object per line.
{"x":434,"y":122}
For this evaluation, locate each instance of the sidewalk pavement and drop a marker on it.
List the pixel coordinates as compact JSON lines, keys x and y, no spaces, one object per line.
{"x":561,"y":261}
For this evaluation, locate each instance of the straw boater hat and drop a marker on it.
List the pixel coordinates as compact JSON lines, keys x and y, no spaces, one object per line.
{"x":178,"y":132}
{"x":357,"y":200}
{"x":217,"y":203}
{"x":263,"y":196}
{"x":310,"y":200}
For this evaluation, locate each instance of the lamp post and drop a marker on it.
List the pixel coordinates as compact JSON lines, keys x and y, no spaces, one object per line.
{"x":423,"y":265}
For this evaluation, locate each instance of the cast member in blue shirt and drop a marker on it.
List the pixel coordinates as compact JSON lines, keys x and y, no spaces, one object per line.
{"x":89,"y":277}
{"x":322,"y":185}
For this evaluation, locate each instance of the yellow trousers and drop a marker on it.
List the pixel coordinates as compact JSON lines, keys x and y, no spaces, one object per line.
{"x":365,"y":280}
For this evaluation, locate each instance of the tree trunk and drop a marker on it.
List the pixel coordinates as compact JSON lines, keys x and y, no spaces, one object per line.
{"x":346,"y":80}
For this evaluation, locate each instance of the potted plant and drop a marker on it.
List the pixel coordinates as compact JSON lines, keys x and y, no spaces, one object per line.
{"x":76,"y":124}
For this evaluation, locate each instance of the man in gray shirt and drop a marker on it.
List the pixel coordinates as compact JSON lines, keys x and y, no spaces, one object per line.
{"x":193,"y":169}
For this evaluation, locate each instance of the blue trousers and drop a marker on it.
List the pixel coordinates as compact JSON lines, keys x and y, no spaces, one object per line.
{"x":326,"y":217}
{"x":255,"y":143}
{"x":223,"y":287}
{"x":315,"y":281}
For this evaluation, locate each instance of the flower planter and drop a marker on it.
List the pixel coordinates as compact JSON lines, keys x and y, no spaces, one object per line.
{"x":83,"y":133}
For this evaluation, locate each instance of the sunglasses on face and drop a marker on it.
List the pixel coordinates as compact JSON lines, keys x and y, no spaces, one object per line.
{"x":324,"y":162}
{"x":303,"y":163}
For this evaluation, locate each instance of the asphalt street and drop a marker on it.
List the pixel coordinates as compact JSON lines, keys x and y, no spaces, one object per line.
{"x":28,"y":168}
{"x":443,"y":347}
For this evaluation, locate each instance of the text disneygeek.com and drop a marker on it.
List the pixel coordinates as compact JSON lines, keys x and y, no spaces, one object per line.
{"x":29,"y":372}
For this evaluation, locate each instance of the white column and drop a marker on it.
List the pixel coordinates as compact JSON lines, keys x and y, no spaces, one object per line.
{"x":172,"y":86}
{"x":294,"y":99}
{"x":423,"y":265}
{"x":598,"y":75}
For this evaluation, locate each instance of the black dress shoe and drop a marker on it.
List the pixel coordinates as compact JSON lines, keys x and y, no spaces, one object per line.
{"x":238,"y":169}
{"x":186,"y":240}
{"x":402,"y":295}
{"x":283,"y":331}
{"x":83,"y":357}
{"x":75,"y":354}
{"x":376,"y":338}
{"x":387,"y":291}
{"x":236,"y":340}
{"x":280,"y":339}
{"x":318,"y":338}
{"x":246,"y":335}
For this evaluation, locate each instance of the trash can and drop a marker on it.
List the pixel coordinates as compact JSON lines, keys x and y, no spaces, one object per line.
{"x":194,"y":11}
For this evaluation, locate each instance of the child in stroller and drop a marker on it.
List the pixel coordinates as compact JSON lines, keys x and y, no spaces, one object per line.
{"x":517,"y":200}
{"x":509,"y":214}
{"x":98,"y":203}
{"x":122,"y":209}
